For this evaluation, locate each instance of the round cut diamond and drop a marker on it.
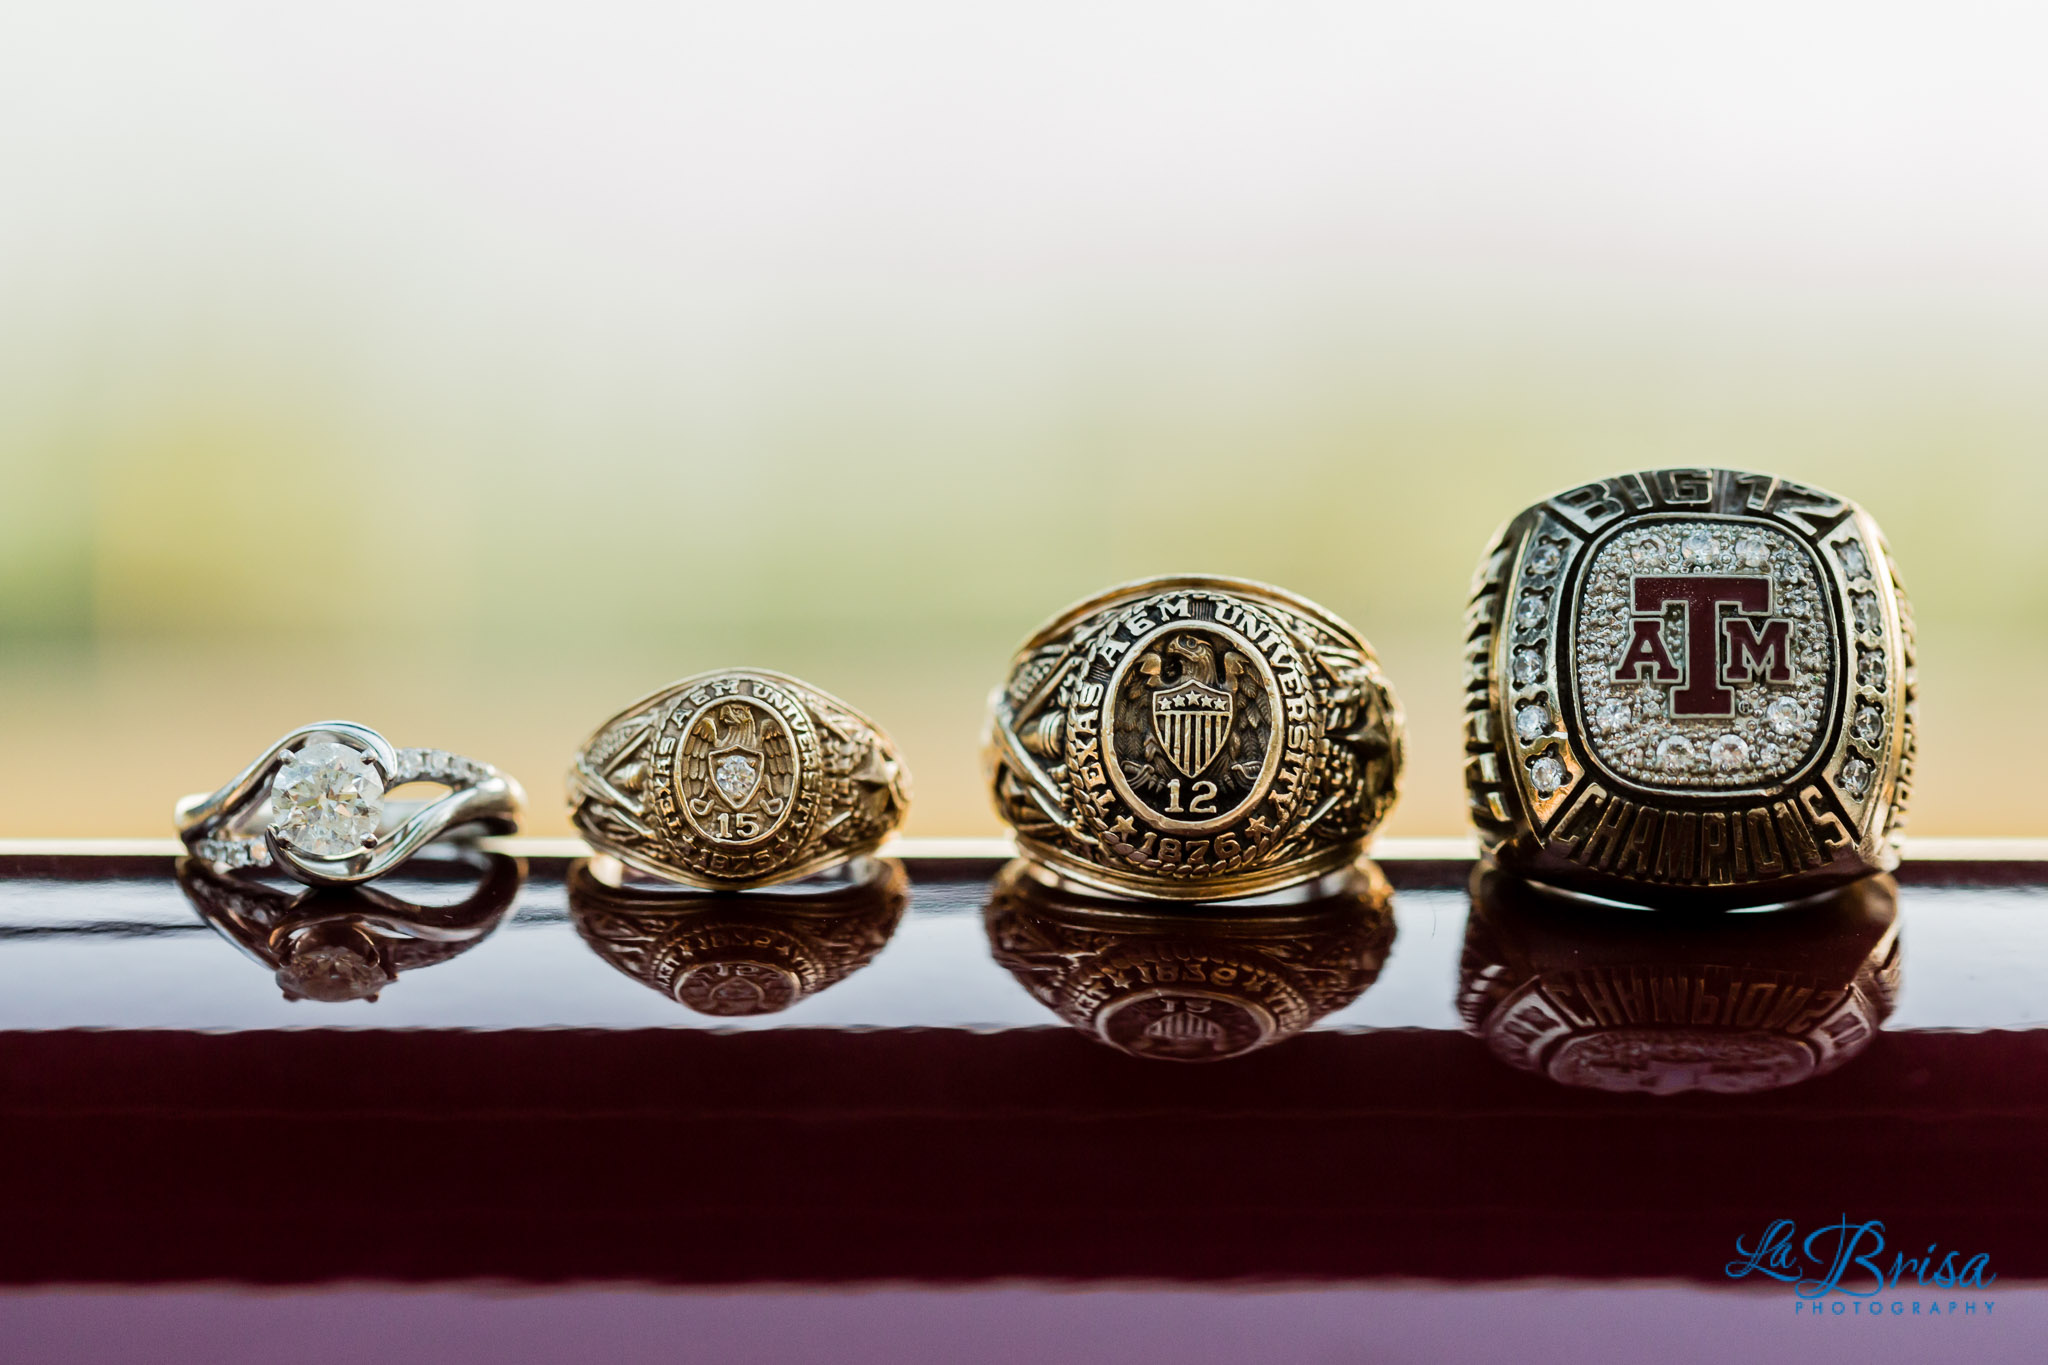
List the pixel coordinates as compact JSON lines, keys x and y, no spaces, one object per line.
{"x":1698,"y":546}
{"x":1674,"y":753}
{"x":1532,"y":722}
{"x":736,"y":776}
{"x":1753,"y":550}
{"x":1649,"y":550}
{"x":1530,"y":611}
{"x":326,"y":800}
{"x":1870,"y":669}
{"x":1545,"y":558}
{"x":1546,"y":775}
{"x":1869,"y":724}
{"x":1854,"y":562}
{"x":1528,"y":667}
{"x":1612,"y":717}
{"x":1728,"y":753}
{"x":1783,"y":716}
{"x":1855,"y":777}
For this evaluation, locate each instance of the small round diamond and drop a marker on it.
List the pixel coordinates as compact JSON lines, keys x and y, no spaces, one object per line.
{"x":1753,"y":550}
{"x":1869,"y":619}
{"x":1869,"y":724}
{"x":1783,"y":716}
{"x":1674,"y":753}
{"x":1532,"y":722}
{"x":1855,"y":777}
{"x":1648,"y":550}
{"x":326,"y":800}
{"x":1528,"y":667}
{"x":1870,"y":669}
{"x":1545,"y":558}
{"x":736,"y":776}
{"x":1697,"y":547}
{"x":1728,"y":753}
{"x":1854,"y":563}
{"x":1546,"y":775}
{"x":1612,"y":717}
{"x":1530,"y":611}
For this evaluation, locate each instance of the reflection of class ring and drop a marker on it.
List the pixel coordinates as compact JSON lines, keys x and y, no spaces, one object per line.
{"x":736,"y":779}
{"x":1610,"y":999}
{"x":738,"y":955}
{"x":317,"y":795}
{"x":1690,"y":686}
{"x":348,"y":943}
{"x":1194,"y":738}
{"x":1190,"y":987}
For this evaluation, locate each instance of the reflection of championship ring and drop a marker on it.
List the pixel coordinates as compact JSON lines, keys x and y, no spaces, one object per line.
{"x":734,"y":955}
{"x":1190,"y":987}
{"x":736,"y":779}
{"x":1611,"y":999}
{"x":317,"y":796}
{"x":349,"y":943}
{"x":1194,"y":738}
{"x":1690,"y":685}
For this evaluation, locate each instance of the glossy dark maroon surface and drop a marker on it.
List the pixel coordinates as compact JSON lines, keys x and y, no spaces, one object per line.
{"x":524,"y":1113}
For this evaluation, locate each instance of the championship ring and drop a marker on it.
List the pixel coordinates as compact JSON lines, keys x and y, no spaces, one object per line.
{"x":1690,"y":686}
{"x":1194,"y":739}
{"x":1605,"y":998}
{"x":736,"y":779}
{"x":1190,"y":987}
{"x":734,"y":955}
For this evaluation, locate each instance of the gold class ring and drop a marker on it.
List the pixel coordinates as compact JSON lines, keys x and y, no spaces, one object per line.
{"x":736,"y":779}
{"x":1194,"y":739}
{"x":1690,"y":687}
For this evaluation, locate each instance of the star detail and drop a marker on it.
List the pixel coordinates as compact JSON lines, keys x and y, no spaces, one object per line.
{"x":1259,"y":826}
{"x":1122,"y":828}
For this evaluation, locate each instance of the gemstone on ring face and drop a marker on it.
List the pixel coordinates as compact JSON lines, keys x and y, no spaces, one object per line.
{"x":1532,"y":722}
{"x":1546,"y":774}
{"x":326,"y":800}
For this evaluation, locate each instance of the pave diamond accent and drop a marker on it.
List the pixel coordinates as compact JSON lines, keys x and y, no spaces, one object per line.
{"x":1774,"y":727}
{"x":326,"y":800}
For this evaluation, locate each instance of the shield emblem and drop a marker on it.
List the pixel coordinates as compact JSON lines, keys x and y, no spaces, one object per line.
{"x":1191,"y":721}
{"x":736,"y":773}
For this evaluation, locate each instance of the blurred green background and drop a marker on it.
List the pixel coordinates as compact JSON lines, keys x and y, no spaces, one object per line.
{"x":471,"y":371}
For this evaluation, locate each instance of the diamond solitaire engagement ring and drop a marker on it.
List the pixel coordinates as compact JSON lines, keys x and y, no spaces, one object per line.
{"x":313,"y":806}
{"x":1690,"y":687}
{"x":1194,"y":739}
{"x":737,"y":779}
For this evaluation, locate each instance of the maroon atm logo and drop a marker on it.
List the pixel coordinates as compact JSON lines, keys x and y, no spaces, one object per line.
{"x":1730,"y":637}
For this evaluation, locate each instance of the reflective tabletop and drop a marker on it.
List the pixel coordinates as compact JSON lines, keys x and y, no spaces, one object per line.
{"x":1412,"y":1108}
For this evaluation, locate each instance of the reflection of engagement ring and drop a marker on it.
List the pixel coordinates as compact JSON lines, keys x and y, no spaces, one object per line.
{"x":1196,"y":739}
{"x":317,"y":795}
{"x":349,"y":943}
{"x":737,"y":779}
{"x":1690,"y":686}
{"x":1610,"y":999}
{"x":731,"y":955}
{"x":1190,"y":987}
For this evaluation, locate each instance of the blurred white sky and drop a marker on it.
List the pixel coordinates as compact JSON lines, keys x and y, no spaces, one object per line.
{"x":703,"y":182}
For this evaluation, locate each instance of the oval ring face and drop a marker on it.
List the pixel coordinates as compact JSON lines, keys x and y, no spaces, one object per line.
{"x":1189,"y":719}
{"x":737,"y":769}
{"x":742,"y":764}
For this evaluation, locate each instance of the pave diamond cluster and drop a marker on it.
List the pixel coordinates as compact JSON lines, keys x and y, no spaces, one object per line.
{"x":1775,"y":726}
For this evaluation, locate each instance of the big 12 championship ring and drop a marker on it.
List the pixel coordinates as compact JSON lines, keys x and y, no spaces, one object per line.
{"x":1690,"y":686}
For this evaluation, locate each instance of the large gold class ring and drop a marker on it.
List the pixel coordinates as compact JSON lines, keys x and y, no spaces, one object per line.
{"x":737,"y":779}
{"x":1690,"y":687}
{"x":1194,"y":739}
